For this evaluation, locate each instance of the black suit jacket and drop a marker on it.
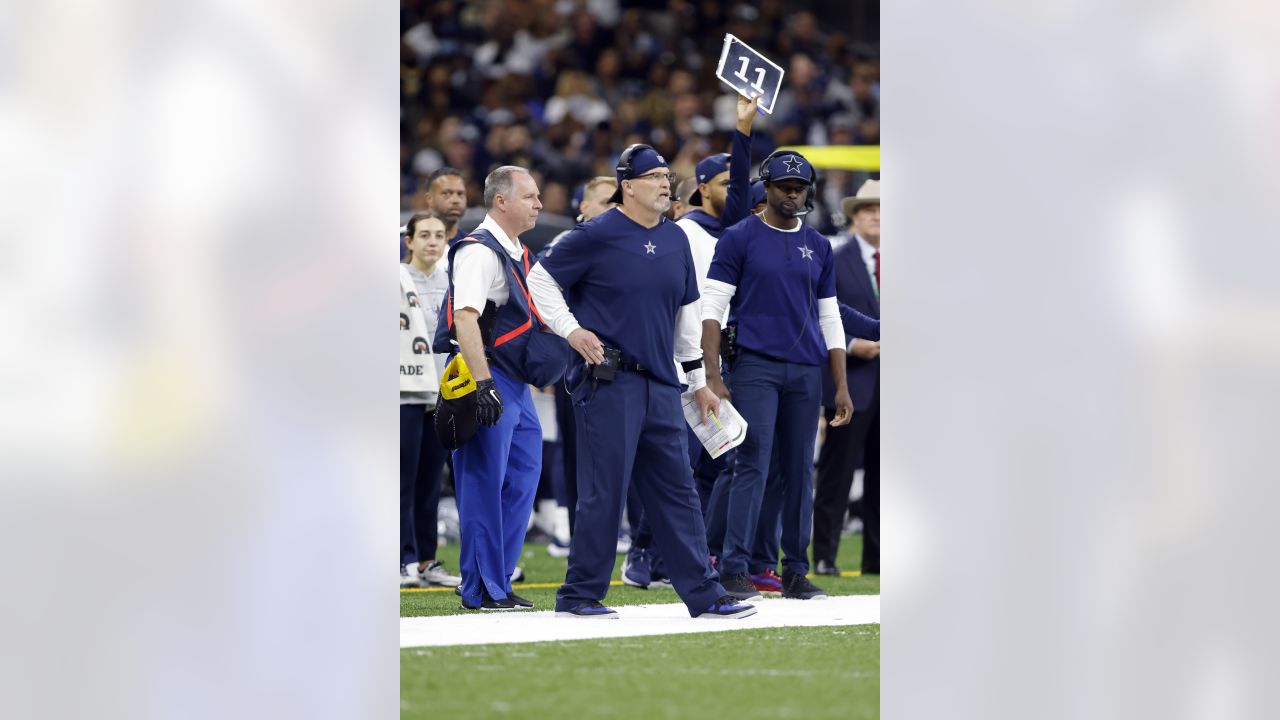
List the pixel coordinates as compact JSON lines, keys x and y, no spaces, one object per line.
{"x":855,"y":288}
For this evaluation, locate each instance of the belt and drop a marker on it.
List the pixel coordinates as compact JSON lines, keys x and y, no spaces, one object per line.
{"x":757,"y":353}
{"x":634,"y":367}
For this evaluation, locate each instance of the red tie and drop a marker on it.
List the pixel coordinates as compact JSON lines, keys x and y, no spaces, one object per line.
{"x":877,"y":256}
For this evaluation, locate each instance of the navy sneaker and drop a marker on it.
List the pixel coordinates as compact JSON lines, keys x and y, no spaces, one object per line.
{"x":728,"y":607}
{"x":635,"y":568}
{"x":488,"y":603}
{"x":739,"y":585}
{"x":589,"y":610}
{"x":520,"y":602}
{"x":798,"y":587}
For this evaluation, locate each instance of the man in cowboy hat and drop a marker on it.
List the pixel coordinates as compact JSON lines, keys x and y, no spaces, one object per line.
{"x":858,"y":286}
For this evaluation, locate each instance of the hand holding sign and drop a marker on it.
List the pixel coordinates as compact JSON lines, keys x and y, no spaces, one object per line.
{"x":747,"y":109}
{"x":753,"y":75}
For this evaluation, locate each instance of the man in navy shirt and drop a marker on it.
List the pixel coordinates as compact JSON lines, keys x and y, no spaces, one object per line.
{"x":719,"y":200}
{"x":623,"y":290}
{"x":777,"y":275}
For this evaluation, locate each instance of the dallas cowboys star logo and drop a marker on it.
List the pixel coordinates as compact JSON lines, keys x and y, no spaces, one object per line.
{"x":786,"y":161}
{"x":649,"y":247}
{"x":806,"y":252}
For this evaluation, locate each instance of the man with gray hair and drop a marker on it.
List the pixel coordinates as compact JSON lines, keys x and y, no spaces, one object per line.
{"x":489,"y":318}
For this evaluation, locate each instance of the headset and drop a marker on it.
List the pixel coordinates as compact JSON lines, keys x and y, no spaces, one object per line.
{"x":624,"y":160}
{"x":765,"y":176}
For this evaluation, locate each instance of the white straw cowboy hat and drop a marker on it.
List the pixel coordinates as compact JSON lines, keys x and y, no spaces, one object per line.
{"x":868,"y":194}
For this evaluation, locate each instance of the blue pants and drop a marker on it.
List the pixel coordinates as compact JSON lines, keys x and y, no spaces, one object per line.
{"x":764,"y":552}
{"x":567,"y":491}
{"x":421,"y":462}
{"x":496,"y":477}
{"x":633,"y":430}
{"x":780,"y":402}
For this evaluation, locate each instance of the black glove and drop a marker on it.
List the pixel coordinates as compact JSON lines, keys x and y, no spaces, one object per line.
{"x":488,"y":402}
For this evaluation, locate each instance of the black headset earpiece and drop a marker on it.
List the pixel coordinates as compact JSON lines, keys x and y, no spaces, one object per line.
{"x":624,"y":160}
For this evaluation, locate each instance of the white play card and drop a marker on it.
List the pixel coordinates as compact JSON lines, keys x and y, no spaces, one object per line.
{"x":749,"y":72}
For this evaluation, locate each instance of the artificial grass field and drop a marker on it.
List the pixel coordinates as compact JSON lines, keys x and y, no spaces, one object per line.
{"x":801,"y":672}
{"x":544,"y":574}
{"x":796,"y":672}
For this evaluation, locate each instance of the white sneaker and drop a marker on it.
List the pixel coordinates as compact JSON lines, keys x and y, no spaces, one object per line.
{"x":518,"y":575}
{"x":624,"y":544}
{"x":435,"y":575}
{"x":556,"y":550}
{"x":409,"y":576}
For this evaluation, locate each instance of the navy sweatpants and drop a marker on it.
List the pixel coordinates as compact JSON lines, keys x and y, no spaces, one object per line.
{"x":496,"y":477}
{"x":421,"y":462}
{"x":780,"y":402}
{"x":632,"y":430}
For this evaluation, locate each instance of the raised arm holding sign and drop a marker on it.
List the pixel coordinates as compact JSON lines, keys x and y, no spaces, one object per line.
{"x":749,"y":72}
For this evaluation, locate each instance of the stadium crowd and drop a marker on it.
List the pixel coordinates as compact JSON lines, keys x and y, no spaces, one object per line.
{"x":525,"y":109}
{"x":561,"y":87}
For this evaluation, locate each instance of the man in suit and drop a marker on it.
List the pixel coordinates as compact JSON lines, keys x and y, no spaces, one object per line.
{"x":858,"y":286}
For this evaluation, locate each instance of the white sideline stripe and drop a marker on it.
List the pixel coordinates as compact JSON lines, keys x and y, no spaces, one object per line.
{"x":522,"y":626}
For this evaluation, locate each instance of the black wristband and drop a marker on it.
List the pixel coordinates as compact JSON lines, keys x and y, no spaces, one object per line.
{"x":691,"y":365}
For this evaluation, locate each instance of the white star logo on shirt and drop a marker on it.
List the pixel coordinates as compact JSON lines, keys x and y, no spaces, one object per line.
{"x":649,"y":248}
{"x":791,"y":159}
{"x":806,"y":252}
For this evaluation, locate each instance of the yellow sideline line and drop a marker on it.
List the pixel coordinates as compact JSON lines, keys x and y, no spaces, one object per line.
{"x":539,"y":586}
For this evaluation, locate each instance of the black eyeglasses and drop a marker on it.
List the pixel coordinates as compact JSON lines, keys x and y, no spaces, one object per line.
{"x":671,"y":177}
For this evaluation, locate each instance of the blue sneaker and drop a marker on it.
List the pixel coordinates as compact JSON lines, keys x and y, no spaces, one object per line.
{"x":635,"y":568}
{"x":590,"y":610}
{"x":728,"y":607}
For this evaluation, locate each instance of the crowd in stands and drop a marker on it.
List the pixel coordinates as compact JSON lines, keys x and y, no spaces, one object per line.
{"x":561,"y":87}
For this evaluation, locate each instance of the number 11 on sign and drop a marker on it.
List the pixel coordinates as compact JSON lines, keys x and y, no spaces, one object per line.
{"x":758,"y":85}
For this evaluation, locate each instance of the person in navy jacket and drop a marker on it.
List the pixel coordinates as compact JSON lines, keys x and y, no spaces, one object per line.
{"x":858,"y":286}
{"x":623,"y":290}
{"x":777,"y":277}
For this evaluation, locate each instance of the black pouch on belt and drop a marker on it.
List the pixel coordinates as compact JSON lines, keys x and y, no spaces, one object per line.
{"x":607,"y":370}
{"x":729,"y":343}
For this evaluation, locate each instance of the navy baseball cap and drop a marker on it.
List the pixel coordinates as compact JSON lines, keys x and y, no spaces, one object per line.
{"x":634,"y":162}
{"x":708,"y":168}
{"x":784,"y":165}
{"x":757,"y":192}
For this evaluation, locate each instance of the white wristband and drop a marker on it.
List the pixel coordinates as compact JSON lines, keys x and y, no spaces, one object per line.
{"x":697,"y":379}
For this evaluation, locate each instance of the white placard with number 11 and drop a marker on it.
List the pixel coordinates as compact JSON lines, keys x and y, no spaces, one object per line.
{"x":749,"y":72}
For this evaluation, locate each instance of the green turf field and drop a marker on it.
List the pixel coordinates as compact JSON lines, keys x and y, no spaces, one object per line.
{"x":543,"y":574}
{"x":799,"y":672}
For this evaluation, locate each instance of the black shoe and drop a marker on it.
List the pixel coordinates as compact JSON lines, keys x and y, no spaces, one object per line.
{"x":826,"y":568}
{"x":488,"y":603}
{"x":739,"y":585}
{"x":798,"y":587}
{"x":870,"y":569}
{"x":520,"y":602}
{"x":457,"y":590}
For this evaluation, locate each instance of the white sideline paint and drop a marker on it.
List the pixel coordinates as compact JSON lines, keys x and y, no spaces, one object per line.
{"x":521,"y":626}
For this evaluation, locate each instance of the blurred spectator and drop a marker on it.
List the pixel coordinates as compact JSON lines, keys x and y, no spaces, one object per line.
{"x":576,"y":98}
